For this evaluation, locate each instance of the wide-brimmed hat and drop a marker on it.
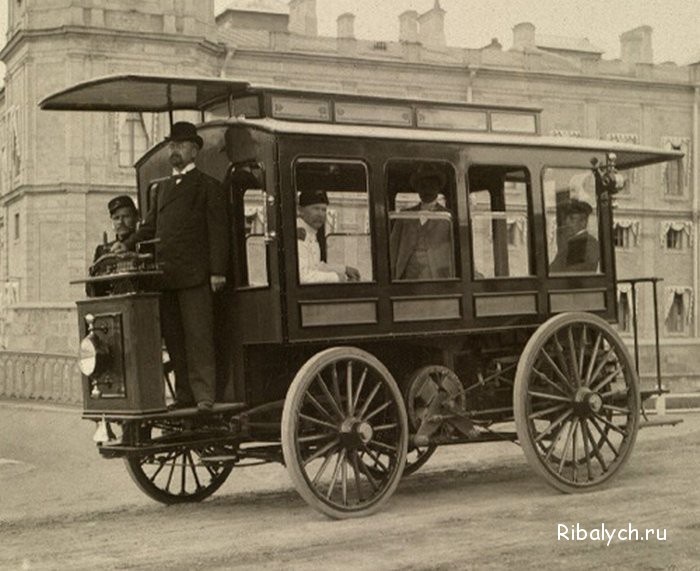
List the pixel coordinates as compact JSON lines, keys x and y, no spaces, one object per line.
{"x":426,"y":172}
{"x":575,"y":206}
{"x":118,"y":202}
{"x":185,"y":131}
{"x":309,"y":197}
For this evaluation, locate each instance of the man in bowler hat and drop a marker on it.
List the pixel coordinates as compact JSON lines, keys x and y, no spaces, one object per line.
{"x":124,"y":216}
{"x":581,"y":251}
{"x":421,"y":247}
{"x":189,"y":217}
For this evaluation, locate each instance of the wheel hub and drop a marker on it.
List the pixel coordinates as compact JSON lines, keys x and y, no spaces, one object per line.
{"x":587,"y":402}
{"x":354,"y":433}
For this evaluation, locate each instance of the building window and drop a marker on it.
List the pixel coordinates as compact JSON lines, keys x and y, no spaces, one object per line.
{"x":333,"y":242}
{"x":678,"y":309}
{"x":624,"y":311}
{"x":677,"y":173}
{"x":571,"y":209}
{"x":17,"y":226}
{"x":626,"y":234}
{"x":422,"y":220}
{"x":133,"y":138}
{"x":621,"y":237}
{"x":676,"y":235}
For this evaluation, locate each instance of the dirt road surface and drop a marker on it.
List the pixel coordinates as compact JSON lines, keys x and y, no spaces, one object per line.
{"x":477,"y":506}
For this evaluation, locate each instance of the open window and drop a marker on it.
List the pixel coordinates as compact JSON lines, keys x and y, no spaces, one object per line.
{"x":571,"y":211}
{"x":499,"y":211}
{"x":247,"y":187}
{"x":333,"y":221}
{"x":422,"y":220}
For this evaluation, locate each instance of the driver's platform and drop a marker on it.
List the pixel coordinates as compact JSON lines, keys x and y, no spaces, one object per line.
{"x":218,"y":409}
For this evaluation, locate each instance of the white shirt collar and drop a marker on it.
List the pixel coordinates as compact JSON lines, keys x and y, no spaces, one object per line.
{"x":310,"y":230}
{"x":188,"y":168}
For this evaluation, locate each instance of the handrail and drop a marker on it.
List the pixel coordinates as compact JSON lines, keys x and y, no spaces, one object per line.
{"x":654,"y":281}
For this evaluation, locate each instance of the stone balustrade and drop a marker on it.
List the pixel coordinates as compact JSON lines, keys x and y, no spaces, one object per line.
{"x":40,"y":376}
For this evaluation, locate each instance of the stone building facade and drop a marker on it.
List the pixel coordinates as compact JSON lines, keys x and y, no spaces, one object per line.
{"x":58,"y":170}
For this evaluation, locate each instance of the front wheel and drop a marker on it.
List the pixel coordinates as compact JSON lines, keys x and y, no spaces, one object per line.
{"x":576,"y":402}
{"x":176,"y":476}
{"x":344,"y":433}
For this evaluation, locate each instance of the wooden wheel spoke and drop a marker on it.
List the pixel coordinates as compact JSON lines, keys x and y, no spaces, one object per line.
{"x":600,"y":365}
{"x":556,"y":368}
{"x":373,"y":456}
{"x":318,"y":421}
{"x":365,"y":470}
{"x":561,"y":357}
{"x":370,"y":398}
{"x":594,"y":356}
{"x":617,"y":409}
{"x":574,"y":462}
{"x":336,"y":471}
{"x":344,"y":479}
{"x":572,"y":356}
{"x":194,"y":471}
{"x":322,"y":469}
{"x":555,"y":441}
{"x":336,"y":385}
{"x":586,"y":451}
{"x":549,"y":396}
{"x":335,"y":404}
{"x":316,"y":437}
{"x":607,"y":380}
{"x":356,"y":471}
{"x":549,"y":381}
{"x":377,"y":410}
{"x":595,"y":448}
{"x":614,"y":394}
{"x":162,"y":463}
{"x":567,"y":443}
{"x":348,"y":386}
{"x":361,"y":384}
{"x":381,"y":445}
{"x":321,"y":451}
{"x":546,"y":411}
{"x":171,"y":473}
{"x":385,"y":427}
{"x":566,"y":414}
{"x":581,"y":354}
{"x":612,"y":426}
{"x":604,"y":435}
{"x":318,"y":406}
{"x":183,"y":474}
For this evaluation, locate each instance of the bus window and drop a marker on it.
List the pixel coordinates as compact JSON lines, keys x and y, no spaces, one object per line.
{"x":333,"y":223}
{"x":572,"y":221}
{"x":249,"y":222}
{"x":422,"y":215}
{"x":499,"y":211}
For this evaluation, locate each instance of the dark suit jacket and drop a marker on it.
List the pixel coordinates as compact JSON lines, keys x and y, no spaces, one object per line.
{"x":191,"y":221}
{"x":581,"y":253}
{"x":404,"y":239}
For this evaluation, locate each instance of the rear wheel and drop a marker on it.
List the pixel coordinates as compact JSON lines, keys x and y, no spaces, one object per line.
{"x":344,"y":433}
{"x":576,"y":402}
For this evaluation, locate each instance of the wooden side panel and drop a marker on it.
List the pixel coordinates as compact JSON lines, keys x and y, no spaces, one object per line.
{"x":577,"y":301}
{"x":318,"y":314}
{"x":510,"y":304}
{"x":426,"y":309}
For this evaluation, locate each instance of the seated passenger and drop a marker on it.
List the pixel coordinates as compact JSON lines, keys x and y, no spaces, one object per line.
{"x":580,"y":252}
{"x":421,"y":246}
{"x":311,"y":242}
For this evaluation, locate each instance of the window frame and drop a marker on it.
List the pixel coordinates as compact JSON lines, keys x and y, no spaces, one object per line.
{"x":454,"y":210}
{"x":305,"y":158}
{"x":599,"y":230}
{"x":529,"y":241}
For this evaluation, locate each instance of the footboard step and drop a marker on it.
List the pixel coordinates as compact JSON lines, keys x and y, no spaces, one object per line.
{"x":660,"y":421}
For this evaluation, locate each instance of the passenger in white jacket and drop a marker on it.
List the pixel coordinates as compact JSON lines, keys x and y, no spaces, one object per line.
{"x":311,"y":251}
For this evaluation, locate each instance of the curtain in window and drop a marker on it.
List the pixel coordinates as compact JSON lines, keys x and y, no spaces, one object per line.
{"x":633,"y":226}
{"x":686,"y":293}
{"x":677,"y":173}
{"x":679,"y":226}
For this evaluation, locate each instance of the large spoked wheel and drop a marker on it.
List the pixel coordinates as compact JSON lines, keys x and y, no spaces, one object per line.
{"x":344,"y":433}
{"x":576,"y":402}
{"x":177,"y":476}
{"x":422,"y":388}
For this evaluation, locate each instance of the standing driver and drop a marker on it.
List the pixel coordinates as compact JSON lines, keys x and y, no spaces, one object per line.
{"x":189,"y":217}
{"x":124,"y":215}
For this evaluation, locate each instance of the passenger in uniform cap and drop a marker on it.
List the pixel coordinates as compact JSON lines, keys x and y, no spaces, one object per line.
{"x":189,"y":216}
{"x":581,"y":251}
{"x":311,"y":242}
{"x":124,"y":215}
{"x":421,"y":247}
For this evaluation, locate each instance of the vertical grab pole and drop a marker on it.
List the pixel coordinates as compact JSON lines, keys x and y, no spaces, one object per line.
{"x":634,"y":325}
{"x":656,"y":337}
{"x":170,"y":105}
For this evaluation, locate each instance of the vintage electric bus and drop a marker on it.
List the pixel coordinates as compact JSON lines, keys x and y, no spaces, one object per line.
{"x":352,"y":385}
